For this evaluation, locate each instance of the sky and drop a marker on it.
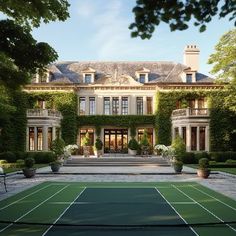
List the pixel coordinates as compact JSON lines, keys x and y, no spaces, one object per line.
{"x":98,"y":30}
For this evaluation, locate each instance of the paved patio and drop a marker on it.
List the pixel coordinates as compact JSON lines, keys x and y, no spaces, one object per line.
{"x":223,"y":183}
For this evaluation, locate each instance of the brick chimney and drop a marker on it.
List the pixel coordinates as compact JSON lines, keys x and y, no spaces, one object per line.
{"x":191,"y":57}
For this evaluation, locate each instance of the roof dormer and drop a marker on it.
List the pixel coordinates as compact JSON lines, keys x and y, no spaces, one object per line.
{"x":42,"y":76}
{"x":142,"y":75}
{"x":88,"y":75}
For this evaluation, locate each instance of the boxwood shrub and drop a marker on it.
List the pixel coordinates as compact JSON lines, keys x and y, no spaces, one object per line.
{"x":42,"y":157}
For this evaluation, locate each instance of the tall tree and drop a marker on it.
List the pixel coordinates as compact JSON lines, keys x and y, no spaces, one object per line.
{"x":20,"y":54}
{"x":224,"y":65}
{"x":178,"y":14}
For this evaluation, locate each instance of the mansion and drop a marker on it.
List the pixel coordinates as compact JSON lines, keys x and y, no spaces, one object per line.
{"x":119,"y":95}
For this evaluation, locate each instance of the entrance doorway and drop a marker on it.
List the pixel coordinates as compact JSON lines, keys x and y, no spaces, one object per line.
{"x":115,"y":140}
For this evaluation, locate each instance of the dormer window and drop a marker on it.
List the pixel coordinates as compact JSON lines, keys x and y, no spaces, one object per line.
{"x":189,"y":78}
{"x":142,"y":75}
{"x":88,"y":75}
{"x":142,"y":78}
{"x":87,"y":78}
{"x":42,"y":77}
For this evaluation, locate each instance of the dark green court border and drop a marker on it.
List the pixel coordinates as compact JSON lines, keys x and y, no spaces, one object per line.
{"x":198,"y":196}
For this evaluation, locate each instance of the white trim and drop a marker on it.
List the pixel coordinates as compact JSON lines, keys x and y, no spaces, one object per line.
{"x":204,"y":207}
{"x":176,"y":212}
{"x":63,"y":212}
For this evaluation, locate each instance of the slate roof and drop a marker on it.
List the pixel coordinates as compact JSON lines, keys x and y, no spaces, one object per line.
{"x":160,"y":72}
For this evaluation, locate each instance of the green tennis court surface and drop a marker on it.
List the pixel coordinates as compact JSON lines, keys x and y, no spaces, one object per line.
{"x":55,"y":208}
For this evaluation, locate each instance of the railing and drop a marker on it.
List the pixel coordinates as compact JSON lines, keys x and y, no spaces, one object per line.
{"x":191,"y":112}
{"x":43,"y":113}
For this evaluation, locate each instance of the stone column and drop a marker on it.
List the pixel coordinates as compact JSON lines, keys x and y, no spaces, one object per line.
{"x":53,"y":133}
{"x":188,"y":138}
{"x":45,"y":138}
{"x":198,"y":137}
{"x":180,"y":131}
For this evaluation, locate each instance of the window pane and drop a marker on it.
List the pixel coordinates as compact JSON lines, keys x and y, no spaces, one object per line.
{"x":39,"y":139}
{"x":115,"y":106}
{"x":82,"y":105}
{"x":106,"y":106}
{"x":193,"y":138}
{"x":142,"y":78}
{"x":149,"y":135}
{"x":49,"y":137}
{"x":124,"y":110}
{"x":189,"y":78}
{"x":202,"y":138}
{"x":149,"y":105}
{"x":31,"y":139}
{"x":92,"y":106}
{"x":88,"y":78}
{"x":91,"y":136}
{"x":139,"y":102}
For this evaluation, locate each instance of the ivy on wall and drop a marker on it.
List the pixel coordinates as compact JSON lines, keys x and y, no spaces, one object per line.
{"x":13,"y":133}
{"x":118,"y":121}
{"x":66,"y":103}
{"x":222,"y":121}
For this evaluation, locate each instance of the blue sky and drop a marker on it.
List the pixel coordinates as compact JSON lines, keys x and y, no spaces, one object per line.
{"x":98,"y":30}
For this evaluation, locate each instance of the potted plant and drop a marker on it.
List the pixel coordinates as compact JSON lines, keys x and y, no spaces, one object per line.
{"x":58,"y":146}
{"x":85,"y":144}
{"x":144,"y":144}
{"x":203,"y":168}
{"x":98,"y":147}
{"x":133,"y":146}
{"x":178,"y":166}
{"x":29,"y":171}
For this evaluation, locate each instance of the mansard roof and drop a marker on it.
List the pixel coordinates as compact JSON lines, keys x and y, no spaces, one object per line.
{"x":115,"y":72}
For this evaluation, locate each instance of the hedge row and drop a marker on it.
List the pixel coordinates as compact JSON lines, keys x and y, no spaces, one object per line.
{"x":193,"y":158}
{"x":40,"y":157}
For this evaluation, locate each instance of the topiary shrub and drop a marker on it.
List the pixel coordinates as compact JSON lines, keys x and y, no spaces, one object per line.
{"x":58,"y":146}
{"x":29,"y":162}
{"x":179,"y":148}
{"x":98,"y":144}
{"x":189,"y":158}
{"x":203,"y":163}
{"x":44,"y":157}
{"x":133,"y":144}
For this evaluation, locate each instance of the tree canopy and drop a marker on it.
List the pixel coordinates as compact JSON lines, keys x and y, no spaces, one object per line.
{"x":20,"y":54}
{"x":224,"y":65}
{"x":178,"y":14}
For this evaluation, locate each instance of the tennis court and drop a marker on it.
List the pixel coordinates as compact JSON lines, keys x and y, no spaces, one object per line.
{"x":59,"y":208}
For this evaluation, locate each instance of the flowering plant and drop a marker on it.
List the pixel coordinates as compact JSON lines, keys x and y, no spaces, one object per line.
{"x":69,"y":149}
{"x":162,"y":149}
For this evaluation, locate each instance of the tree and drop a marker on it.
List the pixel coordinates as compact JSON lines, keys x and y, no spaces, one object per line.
{"x":178,"y":14}
{"x":224,"y":66}
{"x":20,"y":54}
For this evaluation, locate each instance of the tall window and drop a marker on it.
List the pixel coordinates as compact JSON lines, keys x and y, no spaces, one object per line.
{"x":124,"y":106}
{"x":189,"y":78}
{"x":142,"y":78}
{"x":82,"y":105}
{"x":139,"y":102}
{"x":193,"y":138}
{"x":91,"y":136}
{"x":49,"y":137}
{"x":149,"y":134}
{"x":202,"y":138}
{"x":149,"y":105}
{"x":31,"y":139}
{"x":92,"y":106}
{"x":106,"y":105}
{"x":39,"y":138}
{"x":184,"y":134}
{"x":87,"y":78}
{"x":115,"y":106}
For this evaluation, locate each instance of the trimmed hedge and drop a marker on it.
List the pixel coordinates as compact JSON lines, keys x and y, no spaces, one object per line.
{"x":222,"y":156}
{"x":41,"y":157}
{"x":10,"y":157}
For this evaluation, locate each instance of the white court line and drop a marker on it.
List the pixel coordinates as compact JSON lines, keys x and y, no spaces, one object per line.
{"x":183,"y":203}
{"x":33,"y":209}
{"x":204,"y":208}
{"x":177,"y":213}
{"x":63,"y":212}
{"x":25,"y":197}
{"x":214,"y":198}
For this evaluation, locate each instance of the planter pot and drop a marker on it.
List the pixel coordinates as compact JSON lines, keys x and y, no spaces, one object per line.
{"x":55,"y":167}
{"x":29,"y":172}
{"x":203,"y":173}
{"x":177,"y":168}
{"x":132,"y":152}
{"x":86,"y":151}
